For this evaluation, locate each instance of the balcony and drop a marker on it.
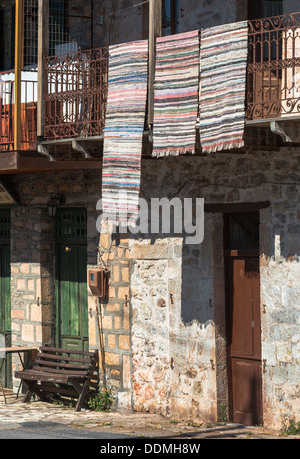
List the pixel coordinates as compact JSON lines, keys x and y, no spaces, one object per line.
{"x":77,"y":84}
{"x":273,"y":73}
{"x":75,"y":91}
{"x":28,"y":110}
{"x":75,"y":97}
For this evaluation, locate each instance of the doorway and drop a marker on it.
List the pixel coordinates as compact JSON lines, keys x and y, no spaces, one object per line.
{"x":5,"y":297}
{"x":241,"y":243}
{"x":71,"y":279}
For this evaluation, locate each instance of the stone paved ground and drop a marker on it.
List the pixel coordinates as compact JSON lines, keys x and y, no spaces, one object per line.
{"x":141,"y":425}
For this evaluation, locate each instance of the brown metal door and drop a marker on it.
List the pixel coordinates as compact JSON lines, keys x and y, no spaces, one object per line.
{"x":244,"y":326}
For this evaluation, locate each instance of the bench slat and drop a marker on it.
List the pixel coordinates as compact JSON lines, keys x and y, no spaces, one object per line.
{"x":67,"y":351}
{"x":43,"y":377}
{"x":49,"y":376}
{"x":64,"y":358}
{"x":58,"y":371}
{"x":51,"y":366}
{"x":45,"y":363}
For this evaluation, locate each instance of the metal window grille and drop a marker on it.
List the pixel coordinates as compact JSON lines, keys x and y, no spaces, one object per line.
{"x":4,"y":224}
{"x":71,"y":224}
{"x":61,"y":19}
{"x":30,"y":47}
{"x":58,"y":25}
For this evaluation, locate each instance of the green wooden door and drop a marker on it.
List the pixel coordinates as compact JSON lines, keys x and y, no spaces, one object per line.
{"x":5,"y":299}
{"x":72,"y":307}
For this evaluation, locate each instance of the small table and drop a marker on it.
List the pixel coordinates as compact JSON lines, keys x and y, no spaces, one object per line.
{"x":15,"y":350}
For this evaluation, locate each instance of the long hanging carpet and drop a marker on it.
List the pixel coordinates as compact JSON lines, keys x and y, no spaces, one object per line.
{"x":223,"y":61}
{"x":123,"y":133}
{"x":176,"y":96}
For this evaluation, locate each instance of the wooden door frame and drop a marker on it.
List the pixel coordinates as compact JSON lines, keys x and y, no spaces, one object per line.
{"x":58,"y":334}
{"x":228,"y":256}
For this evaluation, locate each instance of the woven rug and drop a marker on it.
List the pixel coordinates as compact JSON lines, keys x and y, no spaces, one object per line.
{"x":223,"y":61}
{"x":123,"y":133}
{"x":176,"y":97}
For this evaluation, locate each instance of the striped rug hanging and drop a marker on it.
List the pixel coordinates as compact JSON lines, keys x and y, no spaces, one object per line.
{"x":223,"y":61}
{"x":176,"y":97}
{"x":123,"y":133}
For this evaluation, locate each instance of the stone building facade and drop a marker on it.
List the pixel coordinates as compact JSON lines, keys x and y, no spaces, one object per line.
{"x":164,"y":325}
{"x":178,"y":292}
{"x":164,"y":322}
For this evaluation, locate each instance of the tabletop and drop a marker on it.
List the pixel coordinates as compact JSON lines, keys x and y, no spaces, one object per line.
{"x":10,"y":350}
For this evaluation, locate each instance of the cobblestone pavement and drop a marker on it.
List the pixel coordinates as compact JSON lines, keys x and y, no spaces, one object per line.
{"x":138,"y":425}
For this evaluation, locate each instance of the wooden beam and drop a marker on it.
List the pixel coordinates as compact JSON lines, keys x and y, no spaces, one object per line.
{"x":14,"y":162}
{"x":155,"y":22}
{"x":18,"y":69}
{"x":240,"y":207}
{"x":43,"y":51}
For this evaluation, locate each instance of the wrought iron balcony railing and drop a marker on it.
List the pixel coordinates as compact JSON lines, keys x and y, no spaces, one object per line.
{"x":28,"y":111}
{"x":75,"y":101}
{"x":76,"y":93}
{"x":273,"y":74}
{"x":76,"y":86}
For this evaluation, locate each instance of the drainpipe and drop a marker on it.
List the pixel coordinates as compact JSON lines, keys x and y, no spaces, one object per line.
{"x":18,"y":69}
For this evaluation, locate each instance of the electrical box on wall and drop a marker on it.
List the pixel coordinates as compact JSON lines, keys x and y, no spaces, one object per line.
{"x":98,"y":282}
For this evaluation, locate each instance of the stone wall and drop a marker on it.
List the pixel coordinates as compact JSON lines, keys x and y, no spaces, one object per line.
{"x":115,"y":320}
{"x":33,"y":267}
{"x":178,"y":300}
{"x":33,"y":248}
{"x":165,"y":336}
{"x":173,"y":330}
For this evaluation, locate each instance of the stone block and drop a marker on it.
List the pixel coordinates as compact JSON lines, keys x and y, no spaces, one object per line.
{"x":124,"y":274}
{"x":117,"y":323}
{"x":112,"y":307}
{"x":112,"y":358}
{"x":17,"y":314}
{"x":28,"y":333}
{"x":14,"y":269}
{"x":124,"y":342}
{"x":284,"y":352}
{"x":111,"y":341}
{"x":107,"y":322}
{"x":92,"y":332}
{"x":105,"y":241}
{"x":124,"y":401}
{"x":126,"y":371}
{"x":21,"y":285}
{"x":36,"y":313}
{"x":123,"y":293}
{"x":24,"y":268}
{"x":31,"y":285}
{"x":126,"y":318}
{"x":116,"y":274}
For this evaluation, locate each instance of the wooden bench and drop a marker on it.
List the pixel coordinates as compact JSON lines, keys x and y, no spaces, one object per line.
{"x":60,"y":371}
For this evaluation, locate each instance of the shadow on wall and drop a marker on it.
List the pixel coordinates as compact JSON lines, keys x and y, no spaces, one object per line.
{"x":191,"y":270}
{"x":197,"y":278}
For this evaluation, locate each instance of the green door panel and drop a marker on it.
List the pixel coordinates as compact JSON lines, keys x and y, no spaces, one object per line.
{"x":72,"y":308}
{"x":5,"y":296}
